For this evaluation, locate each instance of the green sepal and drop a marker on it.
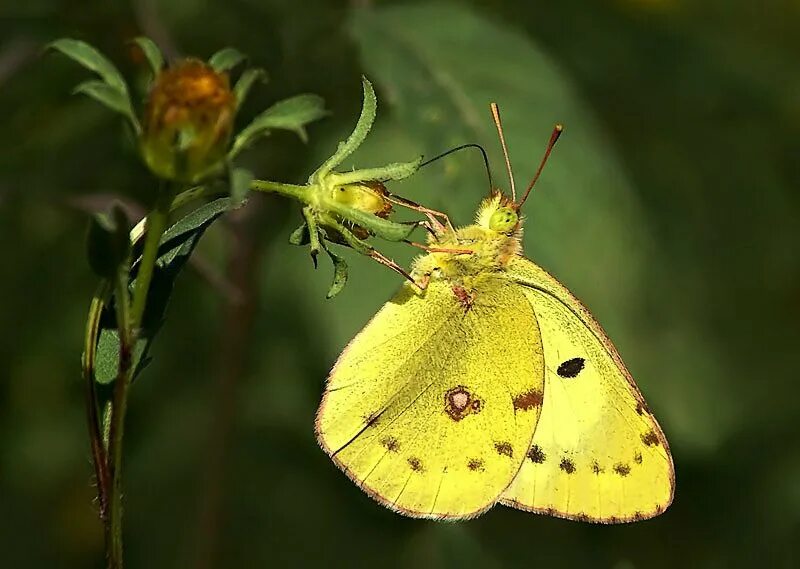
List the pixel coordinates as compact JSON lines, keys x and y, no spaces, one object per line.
{"x":239,"y":181}
{"x":108,"y":243}
{"x":226,"y":59}
{"x":91,"y":59}
{"x":245,"y":83}
{"x":290,"y":114}
{"x":109,"y":96}
{"x":363,"y":126}
{"x":152,"y":53}
{"x":393,"y":171}
{"x":383,"y":228}
{"x":300,"y":236}
{"x":339,"y":274}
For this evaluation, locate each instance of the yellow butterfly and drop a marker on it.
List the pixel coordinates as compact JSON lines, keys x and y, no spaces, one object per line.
{"x":487,"y":381}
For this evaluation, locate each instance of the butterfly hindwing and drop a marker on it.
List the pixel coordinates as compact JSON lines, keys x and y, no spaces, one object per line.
{"x":426,"y":410}
{"x":597,"y":453}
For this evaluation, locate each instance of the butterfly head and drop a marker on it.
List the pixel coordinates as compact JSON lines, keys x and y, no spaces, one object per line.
{"x":499,"y":214}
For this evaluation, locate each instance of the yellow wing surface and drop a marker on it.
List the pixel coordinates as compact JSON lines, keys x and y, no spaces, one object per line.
{"x":597,"y":453}
{"x":431,"y":408}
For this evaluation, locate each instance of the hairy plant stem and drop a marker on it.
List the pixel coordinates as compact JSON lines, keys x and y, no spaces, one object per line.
{"x":293,"y":191}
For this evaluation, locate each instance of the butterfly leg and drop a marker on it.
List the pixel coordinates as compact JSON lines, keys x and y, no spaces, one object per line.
{"x":429,"y":249}
{"x":431,"y":214}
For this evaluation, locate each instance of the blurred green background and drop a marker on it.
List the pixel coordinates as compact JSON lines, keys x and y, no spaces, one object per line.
{"x":670,"y":207}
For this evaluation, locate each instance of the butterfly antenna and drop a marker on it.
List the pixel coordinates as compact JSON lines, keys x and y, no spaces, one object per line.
{"x":557,"y":130}
{"x":462,"y":147}
{"x":499,"y":125}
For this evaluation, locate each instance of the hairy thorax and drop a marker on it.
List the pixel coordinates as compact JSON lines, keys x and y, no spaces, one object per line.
{"x":466,"y":255}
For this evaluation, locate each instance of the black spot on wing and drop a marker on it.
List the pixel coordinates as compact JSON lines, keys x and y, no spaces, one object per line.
{"x":571,"y":368}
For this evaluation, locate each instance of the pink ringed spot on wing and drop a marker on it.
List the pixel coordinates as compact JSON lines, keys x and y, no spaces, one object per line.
{"x":459,"y":402}
{"x":528,"y":400}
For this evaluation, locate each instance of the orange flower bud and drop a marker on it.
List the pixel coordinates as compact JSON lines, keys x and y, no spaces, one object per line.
{"x":188,"y":121}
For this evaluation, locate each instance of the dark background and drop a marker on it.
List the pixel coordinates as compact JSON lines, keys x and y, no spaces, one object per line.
{"x":670,"y":206}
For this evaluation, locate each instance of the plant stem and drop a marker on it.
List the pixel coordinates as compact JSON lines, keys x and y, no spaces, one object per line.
{"x":129,"y":318}
{"x":117,"y":420}
{"x":156,"y":224}
{"x":300,"y":193}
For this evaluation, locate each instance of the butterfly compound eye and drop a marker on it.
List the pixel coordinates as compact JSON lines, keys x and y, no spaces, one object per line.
{"x":504,"y":220}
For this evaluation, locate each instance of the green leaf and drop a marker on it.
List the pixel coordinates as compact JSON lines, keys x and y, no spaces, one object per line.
{"x":300,"y":235}
{"x":393,"y":171}
{"x":91,"y":59}
{"x":290,"y":114}
{"x":339,"y":274}
{"x":358,"y":135}
{"x":246,"y":81}
{"x":108,"y":243}
{"x":177,"y":245}
{"x":226,"y":59}
{"x":152,"y":53}
{"x":106,"y":363}
{"x":110,"y":97}
{"x":240,"y":179}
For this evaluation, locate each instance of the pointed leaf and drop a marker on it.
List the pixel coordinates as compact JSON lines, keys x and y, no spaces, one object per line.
{"x":290,"y":114}
{"x":358,"y":135}
{"x":177,"y":245}
{"x":91,"y":59}
{"x":151,"y":52}
{"x":246,"y":81}
{"x":106,"y":363}
{"x":110,"y":97}
{"x":339,"y":274}
{"x":393,"y":171}
{"x":226,"y":59}
{"x":383,"y":228}
{"x":300,"y":236}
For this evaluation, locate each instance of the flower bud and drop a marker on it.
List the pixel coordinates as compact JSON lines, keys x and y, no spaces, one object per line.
{"x":369,"y":197}
{"x":188,"y":121}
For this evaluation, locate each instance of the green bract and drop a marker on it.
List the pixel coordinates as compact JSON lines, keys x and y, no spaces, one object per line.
{"x":345,"y":208}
